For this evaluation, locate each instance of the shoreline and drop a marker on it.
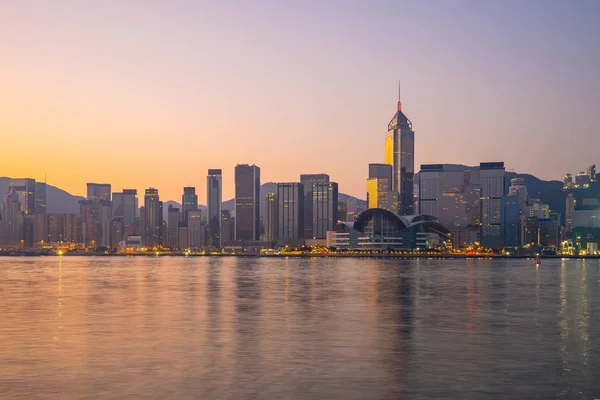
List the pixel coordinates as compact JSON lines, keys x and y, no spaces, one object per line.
{"x":371,"y":256}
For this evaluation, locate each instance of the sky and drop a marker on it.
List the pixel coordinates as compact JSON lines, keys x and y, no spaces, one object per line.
{"x":154,"y":93}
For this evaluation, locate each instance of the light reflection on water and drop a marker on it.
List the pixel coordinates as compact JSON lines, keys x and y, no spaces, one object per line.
{"x":231,"y":328}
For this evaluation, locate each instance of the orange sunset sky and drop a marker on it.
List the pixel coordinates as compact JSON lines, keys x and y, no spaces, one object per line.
{"x":141,"y":94}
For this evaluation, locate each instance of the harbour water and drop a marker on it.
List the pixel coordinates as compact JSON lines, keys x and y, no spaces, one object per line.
{"x":251,"y":328}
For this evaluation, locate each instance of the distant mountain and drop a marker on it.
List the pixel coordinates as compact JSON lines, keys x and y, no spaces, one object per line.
{"x":57,"y":200}
{"x":550,"y":192}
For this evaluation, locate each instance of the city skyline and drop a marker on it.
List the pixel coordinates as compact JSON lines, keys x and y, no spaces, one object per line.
{"x":120,"y":77}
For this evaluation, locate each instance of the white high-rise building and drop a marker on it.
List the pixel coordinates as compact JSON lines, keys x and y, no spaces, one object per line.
{"x":492,"y":175}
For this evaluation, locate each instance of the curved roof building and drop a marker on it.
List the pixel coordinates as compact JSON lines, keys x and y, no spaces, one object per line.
{"x":379,"y":229}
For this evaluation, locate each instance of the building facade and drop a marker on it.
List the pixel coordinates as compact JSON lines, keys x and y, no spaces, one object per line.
{"x":189,"y":201}
{"x":214,"y":193}
{"x":307,"y":181}
{"x":12,"y":219}
{"x":153,"y":218}
{"x":173,"y":219}
{"x":196,"y":230}
{"x":399,"y":152}
{"x":271,"y":217}
{"x":492,"y":176}
{"x":324,"y":208}
{"x":290,"y":211}
{"x":247,"y":202}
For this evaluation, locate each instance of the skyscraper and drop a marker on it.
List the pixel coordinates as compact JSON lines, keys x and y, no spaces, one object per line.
{"x":153,"y":217}
{"x":98,"y":191}
{"x":12,"y":218}
{"x":517,"y":188}
{"x":125,"y":205}
{"x":227,"y":226}
{"x":379,"y":188}
{"x":492,"y":179}
{"x":570,"y":209}
{"x":189,"y":201}
{"x":173,"y":218}
{"x":130,"y":207}
{"x":196,"y":230}
{"x":509,"y":217}
{"x":307,"y":180}
{"x":290,"y":210}
{"x":271,"y":218}
{"x":86,"y":222}
{"x":324,"y":208}
{"x":143,"y":225}
{"x":25,"y":190}
{"x":40,"y":198}
{"x":214,"y":189}
{"x":100,"y":196}
{"x":342,"y":211}
{"x":105,"y":223}
{"x":247,"y":202}
{"x":591,"y":171}
{"x":400,"y":153}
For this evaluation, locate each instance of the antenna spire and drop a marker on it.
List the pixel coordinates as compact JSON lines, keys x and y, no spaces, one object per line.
{"x":399,"y":102}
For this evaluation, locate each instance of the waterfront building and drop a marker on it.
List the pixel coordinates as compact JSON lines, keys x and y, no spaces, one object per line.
{"x":153,"y":218}
{"x":384,"y":171}
{"x":400,"y":152}
{"x":98,"y":191}
{"x":132,"y":243}
{"x":290,"y":211}
{"x":379,"y":188}
{"x":247,"y":202}
{"x":492,"y":176}
{"x":342,"y":211}
{"x":453,"y":197}
{"x":568,"y":182}
{"x":12,"y":219}
{"x":173,"y":219}
{"x":183,"y":237}
{"x":104,"y":222}
{"x":271,"y":217}
{"x":143,"y":224}
{"x":25,"y":190}
{"x":510,"y":220}
{"x":214,"y":190}
{"x":324,"y":208}
{"x":63,"y":228}
{"x":591,"y":172}
{"x":570,"y":208}
{"x":227,"y":227}
{"x":307,"y":181}
{"x":189,"y":201}
{"x":517,"y":188}
{"x":116,"y":232}
{"x":40,"y":229}
{"x":582,"y":180}
{"x":40,"y":198}
{"x":86,"y":222}
{"x":382,"y":230}
{"x":196,"y":230}
{"x":125,"y":205}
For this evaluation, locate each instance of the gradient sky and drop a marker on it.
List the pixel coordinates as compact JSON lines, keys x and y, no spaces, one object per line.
{"x":153,"y":93}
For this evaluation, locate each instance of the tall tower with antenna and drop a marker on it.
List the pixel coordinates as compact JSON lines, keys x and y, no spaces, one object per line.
{"x":400,"y":153}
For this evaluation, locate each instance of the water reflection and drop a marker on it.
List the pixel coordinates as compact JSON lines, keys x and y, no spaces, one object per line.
{"x":233,"y":328}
